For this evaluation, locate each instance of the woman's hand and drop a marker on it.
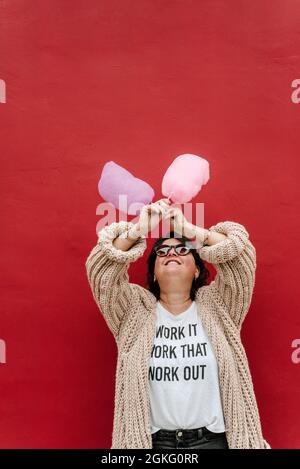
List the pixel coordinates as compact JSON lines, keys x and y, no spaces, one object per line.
{"x":179,"y":223}
{"x":151,"y":215}
{"x":182,"y":226}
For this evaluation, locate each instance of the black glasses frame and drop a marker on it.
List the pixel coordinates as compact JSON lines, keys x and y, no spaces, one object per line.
{"x":176,"y":247}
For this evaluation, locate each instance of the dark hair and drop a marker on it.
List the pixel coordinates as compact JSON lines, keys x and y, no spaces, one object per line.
{"x":197,"y":283}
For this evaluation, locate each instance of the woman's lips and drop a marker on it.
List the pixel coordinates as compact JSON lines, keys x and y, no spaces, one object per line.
{"x":172,"y":260}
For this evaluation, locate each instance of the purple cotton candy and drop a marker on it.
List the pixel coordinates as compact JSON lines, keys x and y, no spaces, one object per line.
{"x":116,"y":181}
{"x":185,"y":177}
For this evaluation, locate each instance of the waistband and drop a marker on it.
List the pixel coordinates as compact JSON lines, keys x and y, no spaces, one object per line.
{"x":180,"y":432}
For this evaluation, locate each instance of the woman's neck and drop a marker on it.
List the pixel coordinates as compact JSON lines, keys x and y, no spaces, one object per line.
{"x":175,"y":304}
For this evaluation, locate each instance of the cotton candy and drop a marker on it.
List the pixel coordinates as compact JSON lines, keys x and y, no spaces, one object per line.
{"x":116,"y":181}
{"x":185,"y":177}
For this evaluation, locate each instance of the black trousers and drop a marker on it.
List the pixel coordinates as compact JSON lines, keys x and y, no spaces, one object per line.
{"x":198,"y":438}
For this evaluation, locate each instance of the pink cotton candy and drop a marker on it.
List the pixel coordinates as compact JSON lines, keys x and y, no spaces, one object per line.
{"x":185,"y":177}
{"x":116,"y":181}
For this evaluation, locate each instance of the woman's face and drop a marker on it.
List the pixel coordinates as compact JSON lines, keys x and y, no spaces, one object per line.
{"x":174,"y":265}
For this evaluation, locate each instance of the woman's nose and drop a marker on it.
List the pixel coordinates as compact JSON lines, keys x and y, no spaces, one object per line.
{"x":172,"y":247}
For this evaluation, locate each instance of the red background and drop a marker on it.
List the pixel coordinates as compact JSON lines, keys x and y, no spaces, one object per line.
{"x":139,"y":83}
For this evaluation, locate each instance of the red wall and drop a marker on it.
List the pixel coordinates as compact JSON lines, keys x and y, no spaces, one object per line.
{"x":139,"y":83}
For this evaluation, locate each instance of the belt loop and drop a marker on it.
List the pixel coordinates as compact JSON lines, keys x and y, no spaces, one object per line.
{"x":200,"y":432}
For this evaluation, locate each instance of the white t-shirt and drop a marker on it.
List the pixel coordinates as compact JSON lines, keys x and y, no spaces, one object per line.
{"x":183,"y":374}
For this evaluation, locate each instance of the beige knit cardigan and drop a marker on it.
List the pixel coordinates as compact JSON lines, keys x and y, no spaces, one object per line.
{"x":129,"y":311}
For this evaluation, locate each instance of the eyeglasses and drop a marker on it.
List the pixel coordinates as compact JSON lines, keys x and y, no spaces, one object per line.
{"x":181,"y":250}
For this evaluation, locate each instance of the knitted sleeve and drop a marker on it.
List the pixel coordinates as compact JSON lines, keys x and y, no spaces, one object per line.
{"x":235,"y":262}
{"x":107,"y":273}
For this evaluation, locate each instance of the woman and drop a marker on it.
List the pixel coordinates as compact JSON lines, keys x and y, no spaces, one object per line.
{"x":182,"y":378}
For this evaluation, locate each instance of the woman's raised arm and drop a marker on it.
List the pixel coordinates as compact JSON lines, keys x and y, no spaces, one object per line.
{"x":107,"y":265}
{"x":234,"y":259}
{"x":107,"y":273}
